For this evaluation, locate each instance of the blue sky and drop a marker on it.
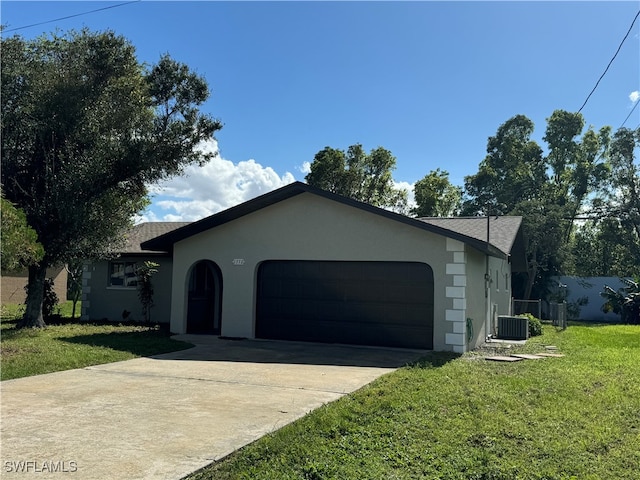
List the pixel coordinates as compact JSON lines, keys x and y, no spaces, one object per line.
{"x":430,"y":81}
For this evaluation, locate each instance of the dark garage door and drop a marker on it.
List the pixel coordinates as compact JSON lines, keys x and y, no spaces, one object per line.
{"x":363,"y":303}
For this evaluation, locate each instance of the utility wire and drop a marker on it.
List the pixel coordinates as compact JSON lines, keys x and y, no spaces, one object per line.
{"x":69,"y":16}
{"x":611,"y":61}
{"x":634,"y":107}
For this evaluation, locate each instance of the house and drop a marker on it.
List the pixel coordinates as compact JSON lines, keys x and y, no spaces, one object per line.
{"x":300,"y":263}
{"x":14,"y":284}
{"x":109,"y":287}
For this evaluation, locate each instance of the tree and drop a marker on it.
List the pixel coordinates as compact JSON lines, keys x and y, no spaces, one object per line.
{"x":435,"y":196}
{"x":609,"y":243}
{"x":543,"y":226}
{"x":624,"y":196}
{"x":85,"y":129}
{"x":513,"y":170}
{"x":577,"y":166}
{"x":602,"y":247}
{"x":20,"y":246}
{"x":548,"y":191}
{"x":75,"y":271}
{"x":358,"y":175}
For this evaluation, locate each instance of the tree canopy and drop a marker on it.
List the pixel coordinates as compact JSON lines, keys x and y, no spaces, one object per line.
{"x":435,"y":196}
{"x":86,"y":128}
{"x":513,"y":170}
{"x":365,"y":177}
{"x":609,"y":243}
{"x":550,"y":191}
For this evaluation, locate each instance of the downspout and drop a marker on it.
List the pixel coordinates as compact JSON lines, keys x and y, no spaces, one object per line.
{"x":487,"y":285}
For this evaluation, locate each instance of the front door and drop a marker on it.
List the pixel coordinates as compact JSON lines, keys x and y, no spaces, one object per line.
{"x":204,"y":299}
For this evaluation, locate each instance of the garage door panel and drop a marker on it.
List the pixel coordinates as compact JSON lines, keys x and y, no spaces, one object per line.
{"x":353,"y":333}
{"x":370,"y":303}
{"x":318,"y":311}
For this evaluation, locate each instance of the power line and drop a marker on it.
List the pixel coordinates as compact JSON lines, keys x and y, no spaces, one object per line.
{"x":634,"y":107}
{"x":69,"y":16}
{"x":611,"y":61}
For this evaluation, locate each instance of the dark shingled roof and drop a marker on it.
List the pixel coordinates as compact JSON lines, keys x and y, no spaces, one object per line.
{"x":146,"y":231}
{"x":467,"y":230}
{"x":502,"y":230}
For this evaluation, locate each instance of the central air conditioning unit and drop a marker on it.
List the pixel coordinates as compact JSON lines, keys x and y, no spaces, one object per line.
{"x":513,"y":328}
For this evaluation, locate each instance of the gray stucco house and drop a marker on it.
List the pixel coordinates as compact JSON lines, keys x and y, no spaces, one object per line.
{"x":300,"y":263}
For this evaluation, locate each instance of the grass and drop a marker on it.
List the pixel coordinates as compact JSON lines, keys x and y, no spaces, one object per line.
{"x":74,"y":344}
{"x":446,"y":417}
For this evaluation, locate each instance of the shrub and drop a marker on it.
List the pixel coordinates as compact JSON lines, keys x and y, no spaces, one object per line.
{"x":625,"y":302}
{"x":49,"y":300}
{"x":144,"y":273}
{"x":535,"y":325}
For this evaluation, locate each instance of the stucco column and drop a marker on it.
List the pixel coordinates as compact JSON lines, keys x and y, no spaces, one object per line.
{"x":456,"y":293}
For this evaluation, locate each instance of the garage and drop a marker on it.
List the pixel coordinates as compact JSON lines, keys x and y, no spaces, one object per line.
{"x":353,"y":302}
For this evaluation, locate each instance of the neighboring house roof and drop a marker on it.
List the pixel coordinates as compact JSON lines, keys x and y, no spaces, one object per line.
{"x":146,"y":231}
{"x":467,"y":230}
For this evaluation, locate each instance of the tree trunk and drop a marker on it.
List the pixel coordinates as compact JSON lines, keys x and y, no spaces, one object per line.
{"x":32,"y":317}
{"x":532,"y":272}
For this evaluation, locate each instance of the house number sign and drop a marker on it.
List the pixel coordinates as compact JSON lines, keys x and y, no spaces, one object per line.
{"x":238,"y":261}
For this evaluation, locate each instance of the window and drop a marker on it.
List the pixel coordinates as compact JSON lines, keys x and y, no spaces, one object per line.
{"x":122,"y":274}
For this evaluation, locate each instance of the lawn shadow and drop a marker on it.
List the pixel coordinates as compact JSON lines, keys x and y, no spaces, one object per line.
{"x":143,"y":343}
{"x":597,"y":323}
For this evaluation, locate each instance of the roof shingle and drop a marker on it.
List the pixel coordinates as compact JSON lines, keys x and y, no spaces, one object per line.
{"x":502,"y":230}
{"x":146,"y":231}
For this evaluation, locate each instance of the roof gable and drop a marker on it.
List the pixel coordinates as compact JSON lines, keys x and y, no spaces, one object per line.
{"x":466,"y":230}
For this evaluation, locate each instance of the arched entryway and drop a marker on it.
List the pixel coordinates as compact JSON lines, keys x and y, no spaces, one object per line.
{"x":204,"y":304}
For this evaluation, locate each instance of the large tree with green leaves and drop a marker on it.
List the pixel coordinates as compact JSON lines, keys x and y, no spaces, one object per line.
{"x":608,"y":244}
{"x":624,"y":196}
{"x":365,"y":177}
{"x":85,"y":128}
{"x":513,"y":170}
{"x":604,"y":247}
{"x":578,"y":166}
{"x":549,"y":191}
{"x":435,"y":196}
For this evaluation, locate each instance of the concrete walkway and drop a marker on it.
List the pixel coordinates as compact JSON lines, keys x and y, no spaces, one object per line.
{"x":164,"y":417}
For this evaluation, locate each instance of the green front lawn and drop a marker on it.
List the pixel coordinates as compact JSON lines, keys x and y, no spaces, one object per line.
{"x":576,"y":417}
{"x":74,"y":344}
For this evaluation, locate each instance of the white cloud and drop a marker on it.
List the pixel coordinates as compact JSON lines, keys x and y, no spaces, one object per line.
{"x":305,"y":167}
{"x":634,"y":96}
{"x":216,"y":186}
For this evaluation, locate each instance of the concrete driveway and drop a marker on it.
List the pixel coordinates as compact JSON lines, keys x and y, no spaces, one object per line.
{"x":166,"y":416}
